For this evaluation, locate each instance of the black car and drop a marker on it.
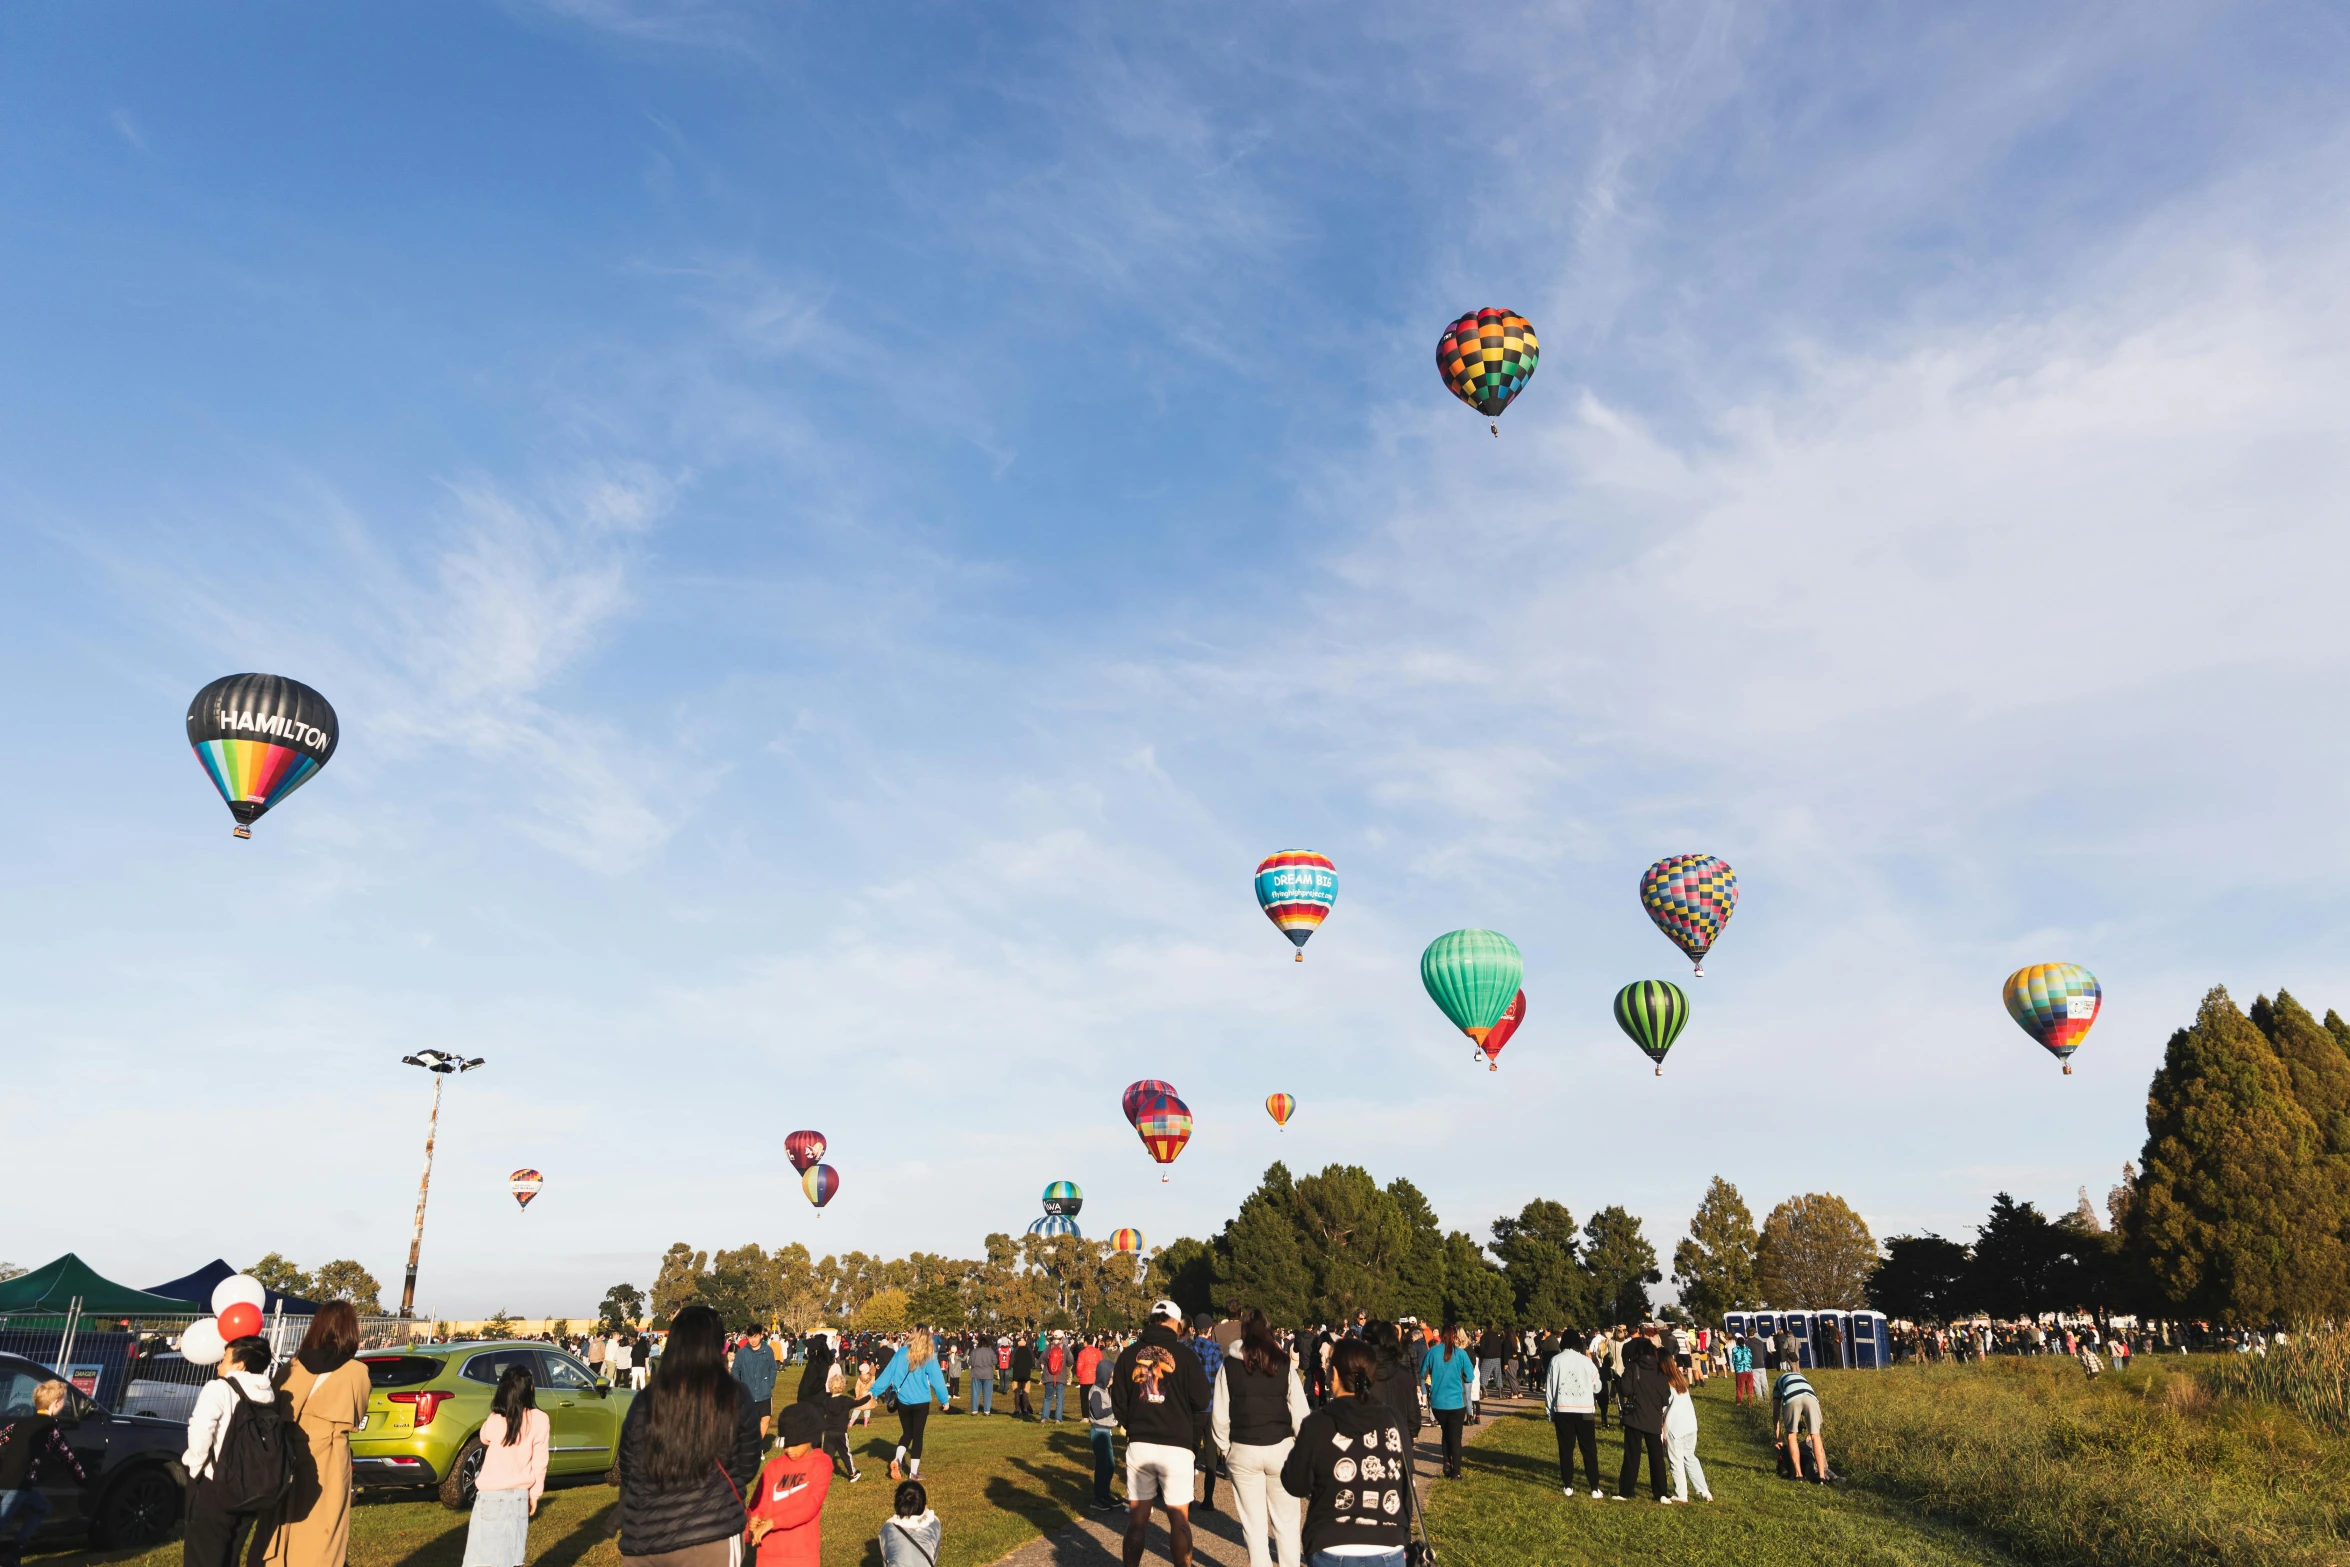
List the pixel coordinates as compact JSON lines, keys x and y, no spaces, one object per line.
{"x":132,"y":1495}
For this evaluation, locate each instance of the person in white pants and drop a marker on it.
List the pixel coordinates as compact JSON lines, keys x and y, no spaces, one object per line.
{"x":1259,"y":1405}
{"x":1681,"y":1439}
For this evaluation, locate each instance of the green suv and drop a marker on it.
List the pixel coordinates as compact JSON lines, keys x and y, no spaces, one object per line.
{"x":426,"y":1403}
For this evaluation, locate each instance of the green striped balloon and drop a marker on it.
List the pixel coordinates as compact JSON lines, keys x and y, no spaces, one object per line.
{"x":1472,"y":976}
{"x":1653,"y":1012}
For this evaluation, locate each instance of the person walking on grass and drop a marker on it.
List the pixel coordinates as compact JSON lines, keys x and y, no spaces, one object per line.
{"x":1794,"y":1407}
{"x":1351,"y":1465}
{"x":912,"y":1374}
{"x":513,"y":1474}
{"x":983,"y":1379}
{"x":754,"y":1368}
{"x":1570,"y":1391}
{"x":1642,"y":1394}
{"x":1101,"y":1421}
{"x":1449,"y":1370}
{"x":326,"y":1393}
{"x":688,"y":1449}
{"x":1056,"y":1378}
{"x":1259,"y":1406}
{"x":1162,"y":1399}
{"x":1681,"y":1438}
{"x":1742,"y":1373}
{"x":1023,"y":1370}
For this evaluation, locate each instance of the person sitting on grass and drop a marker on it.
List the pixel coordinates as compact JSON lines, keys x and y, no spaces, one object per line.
{"x":910,"y":1538}
{"x":1795,"y":1406}
{"x":787,"y":1503}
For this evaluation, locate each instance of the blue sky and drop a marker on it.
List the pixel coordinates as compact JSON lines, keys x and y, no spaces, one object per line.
{"x":839,"y":535}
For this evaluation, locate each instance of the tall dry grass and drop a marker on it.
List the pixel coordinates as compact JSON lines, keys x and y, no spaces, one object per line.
{"x":2310,"y":1376}
{"x":2143,"y":1469}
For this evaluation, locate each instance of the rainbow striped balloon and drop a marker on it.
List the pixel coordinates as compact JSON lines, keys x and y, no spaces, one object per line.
{"x":2055,"y":1003}
{"x":1297,"y":888}
{"x":820,"y":1182}
{"x":1126,"y":1240}
{"x":260,"y":737}
{"x":1281,"y":1107}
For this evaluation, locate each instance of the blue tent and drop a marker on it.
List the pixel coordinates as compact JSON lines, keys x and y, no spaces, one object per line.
{"x":199,"y":1285}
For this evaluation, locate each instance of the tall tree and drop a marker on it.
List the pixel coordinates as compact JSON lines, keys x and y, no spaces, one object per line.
{"x":1814,"y":1252}
{"x":2235,"y":1218}
{"x":1714,"y":1265}
{"x":1539,"y":1252}
{"x":275,"y":1272}
{"x":1258,"y":1260}
{"x":1475,"y":1292}
{"x":1189,"y":1269}
{"x":680,"y":1278}
{"x":1922,"y":1279}
{"x":2318,"y":1071}
{"x":343,"y":1279}
{"x":1423,"y":1264}
{"x":1621,"y":1264}
{"x":623,"y":1308}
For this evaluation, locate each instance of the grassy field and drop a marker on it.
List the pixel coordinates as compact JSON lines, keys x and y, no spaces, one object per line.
{"x":2142,"y":1469}
{"x":1508,"y":1508}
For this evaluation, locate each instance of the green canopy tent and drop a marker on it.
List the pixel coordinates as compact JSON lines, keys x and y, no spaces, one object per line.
{"x":55,"y":1286}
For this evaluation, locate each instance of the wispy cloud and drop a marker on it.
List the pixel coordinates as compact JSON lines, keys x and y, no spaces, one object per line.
{"x":127,"y":127}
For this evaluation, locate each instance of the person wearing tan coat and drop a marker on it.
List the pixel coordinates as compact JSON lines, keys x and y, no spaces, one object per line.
{"x":328,"y":1390}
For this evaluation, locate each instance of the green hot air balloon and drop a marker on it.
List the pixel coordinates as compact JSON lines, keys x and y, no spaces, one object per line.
{"x":1653,"y":1012}
{"x":1472,"y":976}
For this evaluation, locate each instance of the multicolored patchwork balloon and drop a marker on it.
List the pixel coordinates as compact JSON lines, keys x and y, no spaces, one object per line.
{"x":1691,"y":897}
{"x":1652,"y":1012}
{"x":1138,"y":1095}
{"x":1056,"y":1224}
{"x":1502,"y":1031}
{"x":1471,"y":976}
{"x":1164,"y":1124}
{"x":1486,"y":358}
{"x":1281,"y":1107}
{"x":2055,"y":1003}
{"x":820,"y":1181}
{"x":804,"y":1149}
{"x":1063,"y":1197}
{"x":1297,"y":889}
{"x":525,"y":1184}
{"x":260,"y":737}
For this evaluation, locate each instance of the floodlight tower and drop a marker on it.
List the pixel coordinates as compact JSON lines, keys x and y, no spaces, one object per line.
{"x":440,"y":1064}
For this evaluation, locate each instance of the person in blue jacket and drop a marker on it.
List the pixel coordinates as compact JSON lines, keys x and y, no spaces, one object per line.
{"x":912,"y":1374}
{"x":1449,"y":1369}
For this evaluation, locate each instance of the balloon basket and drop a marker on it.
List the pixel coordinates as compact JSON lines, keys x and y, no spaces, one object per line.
{"x":1301,"y":957}
{"x":2068,"y":1069}
{"x":240,"y":830}
{"x":1496,"y":429}
{"x":1162,"y":1180}
{"x":1493,"y":1066}
{"x":1660,"y":1071}
{"x":1697,"y":969}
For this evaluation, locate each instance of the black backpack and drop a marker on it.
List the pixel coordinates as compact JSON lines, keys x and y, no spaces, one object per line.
{"x":256,"y":1467}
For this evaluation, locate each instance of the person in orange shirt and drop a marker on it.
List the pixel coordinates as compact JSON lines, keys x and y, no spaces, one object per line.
{"x":787,"y":1511}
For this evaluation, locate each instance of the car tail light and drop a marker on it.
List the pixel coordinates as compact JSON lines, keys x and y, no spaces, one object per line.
{"x":427,"y":1404}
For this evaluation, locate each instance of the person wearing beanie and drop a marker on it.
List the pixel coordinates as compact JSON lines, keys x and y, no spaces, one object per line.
{"x":787,"y":1509}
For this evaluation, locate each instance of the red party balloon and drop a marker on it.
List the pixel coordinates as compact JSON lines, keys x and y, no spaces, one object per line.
{"x":242,"y":1320}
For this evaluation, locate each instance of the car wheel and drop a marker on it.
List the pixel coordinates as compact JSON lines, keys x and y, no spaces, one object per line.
{"x":464,"y":1479}
{"x":139,"y":1510}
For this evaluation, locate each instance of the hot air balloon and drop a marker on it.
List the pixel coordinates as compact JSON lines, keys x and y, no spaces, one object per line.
{"x":1063,"y":1197}
{"x":1129,"y":1241}
{"x":820,"y":1182}
{"x":1653,"y":1012}
{"x":1056,"y":1224}
{"x":1297,"y":888}
{"x":1281,"y":1107}
{"x":1691,"y":897}
{"x":2055,"y":1003}
{"x":1486,"y":358}
{"x":261,"y":737}
{"x":524,"y":1184}
{"x":1471,"y":976}
{"x":804,"y":1149}
{"x":1164,"y":1122}
{"x":1502,"y":1031}
{"x":1141,"y":1094}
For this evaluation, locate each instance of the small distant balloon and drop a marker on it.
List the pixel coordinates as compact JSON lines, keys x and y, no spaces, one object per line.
{"x":525,"y":1184}
{"x":1164,"y":1123}
{"x":1652,"y":1013}
{"x":820,"y":1182}
{"x":260,"y":737}
{"x":1126,"y":1240}
{"x":1281,"y":1107}
{"x":1297,"y":889}
{"x":1502,"y":1032}
{"x":1471,"y":976}
{"x":1063,"y":1197}
{"x":1690,"y":897}
{"x":2055,"y":1003}
{"x":804,"y":1149}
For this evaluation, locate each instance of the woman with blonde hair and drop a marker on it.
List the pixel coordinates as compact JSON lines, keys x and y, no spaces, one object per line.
{"x":913,"y":1375}
{"x":327,"y":1388}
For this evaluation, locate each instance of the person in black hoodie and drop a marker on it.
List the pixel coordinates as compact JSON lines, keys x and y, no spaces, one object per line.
{"x":689,"y":1445}
{"x":1395,"y":1376}
{"x":1644,"y":1393}
{"x":1162,"y":1398}
{"x":1023,"y":1367}
{"x":1351,"y":1463}
{"x":819,"y":1365}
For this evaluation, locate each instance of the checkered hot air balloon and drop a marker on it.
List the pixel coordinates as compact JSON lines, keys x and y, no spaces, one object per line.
{"x":2055,"y":1003}
{"x":1161,"y":1119}
{"x":1486,"y":359}
{"x":524,"y":1184}
{"x":1297,"y":888}
{"x":1690,"y":897}
{"x":1652,"y":1013}
{"x":820,"y":1182}
{"x":803,"y":1149}
{"x":1502,"y":1031}
{"x":1281,"y":1107}
{"x":1141,"y":1094}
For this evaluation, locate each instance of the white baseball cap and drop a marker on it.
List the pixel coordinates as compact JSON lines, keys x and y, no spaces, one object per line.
{"x":1166,"y":1308}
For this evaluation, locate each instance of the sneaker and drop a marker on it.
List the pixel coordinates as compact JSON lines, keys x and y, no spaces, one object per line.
{"x":1619,"y":1498}
{"x":1596,"y":1495}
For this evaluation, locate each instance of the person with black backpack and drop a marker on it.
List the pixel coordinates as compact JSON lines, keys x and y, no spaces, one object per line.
{"x":241,"y":1460}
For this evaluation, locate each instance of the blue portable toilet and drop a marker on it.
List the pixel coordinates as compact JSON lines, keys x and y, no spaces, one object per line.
{"x":1735,"y":1323}
{"x":1843,"y":1322}
{"x":1799,"y":1323}
{"x":1872,"y":1341}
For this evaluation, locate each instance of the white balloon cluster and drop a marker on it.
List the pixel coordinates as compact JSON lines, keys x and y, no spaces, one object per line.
{"x":236,"y":1313}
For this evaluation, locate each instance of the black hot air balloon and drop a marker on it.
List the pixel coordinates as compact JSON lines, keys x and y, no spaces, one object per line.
{"x":261,"y":737}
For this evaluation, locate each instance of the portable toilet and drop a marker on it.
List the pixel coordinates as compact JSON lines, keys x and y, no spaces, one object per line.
{"x":1734,"y":1323}
{"x":1843,"y":1349}
{"x":1872,"y":1341}
{"x":1799,"y":1324}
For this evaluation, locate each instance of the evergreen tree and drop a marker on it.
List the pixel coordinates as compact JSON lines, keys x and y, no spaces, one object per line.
{"x":1815,"y":1253}
{"x":1475,"y":1293}
{"x":1922,"y":1279}
{"x":1538,"y":1251}
{"x":1189,"y":1268}
{"x":2339,"y":1029}
{"x":2234,"y":1217}
{"x":1621,"y":1265}
{"x":1424,"y":1265}
{"x":2319,"y":1072}
{"x":1714,"y":1265}
{"x":2018,"y":1262}
{"x":1258,"y":1259}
